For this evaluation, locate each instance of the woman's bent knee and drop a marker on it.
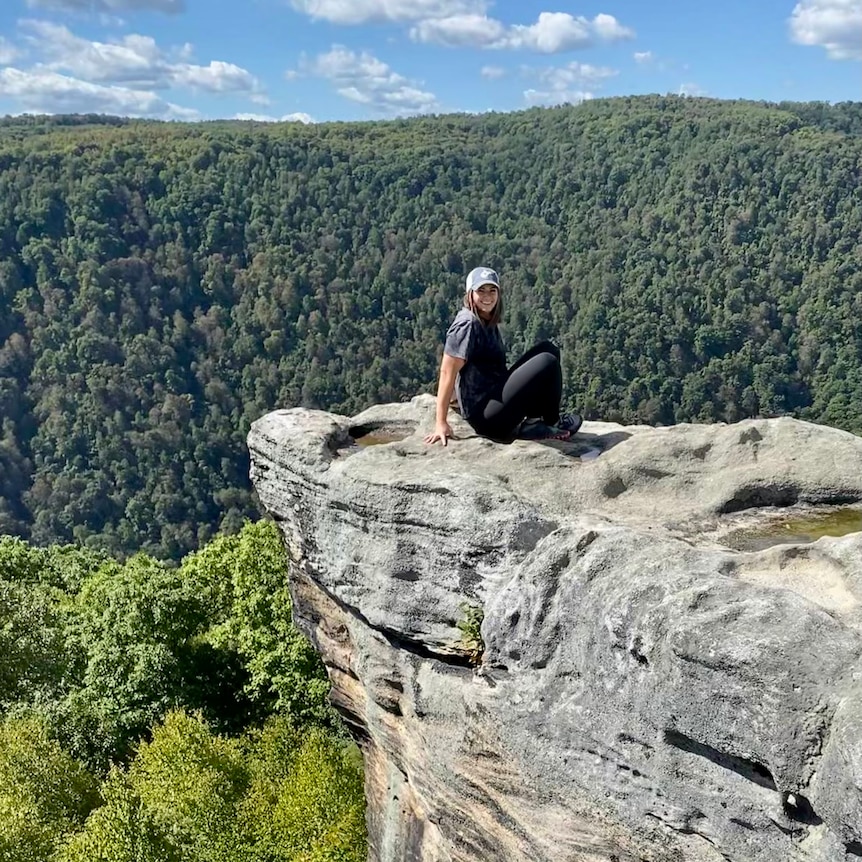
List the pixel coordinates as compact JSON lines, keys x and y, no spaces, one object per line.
{"x":547,"y":347}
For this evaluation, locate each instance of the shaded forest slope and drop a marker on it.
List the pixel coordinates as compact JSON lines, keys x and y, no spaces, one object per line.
{"x":161,"y":286}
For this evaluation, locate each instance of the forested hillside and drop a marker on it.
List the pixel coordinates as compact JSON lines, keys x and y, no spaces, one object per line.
{"x":162,"y":286}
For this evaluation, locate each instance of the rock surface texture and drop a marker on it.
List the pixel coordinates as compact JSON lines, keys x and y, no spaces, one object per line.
{"x":645,"y":692}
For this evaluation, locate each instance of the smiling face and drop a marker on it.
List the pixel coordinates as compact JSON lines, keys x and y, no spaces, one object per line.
{"x":485,"y":298}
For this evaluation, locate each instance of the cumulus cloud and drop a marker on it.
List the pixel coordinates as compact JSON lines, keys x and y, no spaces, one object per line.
{"x":169,"y":6}
{"x":46,"y":92}
{"x":608,"y":28}
{"x":299,"y":117}
{"x":549,"y":97}
{"x":643,"y":57}
{"x":217,"y":77}
{"x":366,"y":11}
{"x":492,"y":72}
{"x":364,"y":79}
{"x":133,"y":61}
{"x":567,"y":83}
{"x":460,"y":31}
{"x":691,"y":89}
{"x":563,"y":77}
{"x":8,"y":52}
{"x":464,"y":23}
{"x":835,"y":25}
{"x":553,"y":32}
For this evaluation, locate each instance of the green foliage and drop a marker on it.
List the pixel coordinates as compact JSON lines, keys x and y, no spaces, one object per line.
{"x":64,"y":567}
{"x":45,"y":795}
{"x":470,"y":625}
{"x":104,"y":662}
{"x":163,"y":285}
{"x":249,"y":571}
{"x":121,"y":830}
{"x":33,"y":656}
{"x":190,"y":782}
{"x":139,"y":628}
{"x":190,"y":796}
{"x":305,"y":799}
{"x":105,"y":649}
{"x":37,"y":660}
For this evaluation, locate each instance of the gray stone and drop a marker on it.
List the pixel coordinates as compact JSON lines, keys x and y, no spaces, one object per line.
{"x":645,"y":692}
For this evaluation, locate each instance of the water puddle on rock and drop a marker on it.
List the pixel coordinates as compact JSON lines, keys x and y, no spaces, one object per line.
{"x":797,"y":529}
{"x":378,"y":438}
{"x":364,"y":436}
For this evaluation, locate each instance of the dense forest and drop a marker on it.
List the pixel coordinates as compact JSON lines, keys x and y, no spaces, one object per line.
{"x":155,"y":713}
{"x":163,"y":285}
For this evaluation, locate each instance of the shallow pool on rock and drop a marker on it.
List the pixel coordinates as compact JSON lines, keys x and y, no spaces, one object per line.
{"x":795,"y":529}
{"x":378,"y":436}
{"x":373,"y":434}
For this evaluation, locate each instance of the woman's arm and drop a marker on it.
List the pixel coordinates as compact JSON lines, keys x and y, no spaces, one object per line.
{"x":449,"y":368}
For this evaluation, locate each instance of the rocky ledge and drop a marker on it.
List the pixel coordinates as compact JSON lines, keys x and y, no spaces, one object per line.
{"x":641,"y":690}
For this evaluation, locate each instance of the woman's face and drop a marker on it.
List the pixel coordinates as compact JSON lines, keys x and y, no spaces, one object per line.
{"x":485,"y":299}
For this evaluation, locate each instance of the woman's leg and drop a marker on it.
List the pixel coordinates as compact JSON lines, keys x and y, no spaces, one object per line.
{"x":541,"y":347}
{"x":533,"y":387}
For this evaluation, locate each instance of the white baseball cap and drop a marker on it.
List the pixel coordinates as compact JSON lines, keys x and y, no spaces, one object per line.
{"x":481,"y":275}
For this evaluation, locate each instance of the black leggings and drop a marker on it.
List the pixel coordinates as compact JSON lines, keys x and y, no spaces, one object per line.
{"x":533,"y":387}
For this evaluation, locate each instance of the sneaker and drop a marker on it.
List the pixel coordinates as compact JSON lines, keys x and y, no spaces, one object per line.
{"x":570,"y":422}
{"x":535,"y":429}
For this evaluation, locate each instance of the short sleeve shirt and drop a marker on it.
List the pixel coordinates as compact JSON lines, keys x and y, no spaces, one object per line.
{"x":484,"y":371}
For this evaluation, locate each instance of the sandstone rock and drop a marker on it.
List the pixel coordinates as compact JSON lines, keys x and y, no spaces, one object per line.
{"x":645,"y":693}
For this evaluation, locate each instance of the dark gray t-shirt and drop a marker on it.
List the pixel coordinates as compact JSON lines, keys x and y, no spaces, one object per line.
{"x":485,"y":370}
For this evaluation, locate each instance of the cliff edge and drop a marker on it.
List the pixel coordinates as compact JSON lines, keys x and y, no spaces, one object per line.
{"x":650,"y":684}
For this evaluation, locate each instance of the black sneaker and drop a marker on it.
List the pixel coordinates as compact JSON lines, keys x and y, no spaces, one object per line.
{"x":536,"y":429}
{"x":570,"y":422}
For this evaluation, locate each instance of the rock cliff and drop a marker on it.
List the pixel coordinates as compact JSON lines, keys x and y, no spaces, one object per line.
{"x":647,"y":690}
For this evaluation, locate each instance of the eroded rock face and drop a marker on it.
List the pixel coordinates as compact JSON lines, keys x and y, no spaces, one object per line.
{"x":645,"y":692}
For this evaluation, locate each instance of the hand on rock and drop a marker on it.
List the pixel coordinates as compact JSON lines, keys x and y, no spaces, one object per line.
{"x":441,"y":431}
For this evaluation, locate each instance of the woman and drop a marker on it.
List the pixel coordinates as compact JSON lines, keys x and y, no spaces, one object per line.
{"x":500,"y":403}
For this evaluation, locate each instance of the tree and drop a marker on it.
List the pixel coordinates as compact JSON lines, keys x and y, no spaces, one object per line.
{"x":247,"y":577}
{"x":45,"y":795}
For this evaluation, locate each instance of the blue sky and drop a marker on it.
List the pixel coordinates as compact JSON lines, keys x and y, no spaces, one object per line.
{"x":322,"y":60}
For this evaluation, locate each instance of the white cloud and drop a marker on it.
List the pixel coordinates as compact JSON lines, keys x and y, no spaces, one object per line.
{"x":563,"y":77}
{"x":835,"y":25}
{"x":365,"y":79}
{"x":43,"y":91}
{"x":133,"y":61}
{"x":567,"y":83}
{"x":365,"y":11}
{"x":608,"y":28}
{"x":492,"y":72}
{"x":551,"y":97}
{"x":691,"y":89}
{"x":643,"y":57}
{"x":553,"y":32}
{"x":217,"y":77}
{"x":298,"y":117}
{"x":8,"y":52}
{"x":459,"y":31}
{"x":464,"y":23}
{"x":169,"y":6}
